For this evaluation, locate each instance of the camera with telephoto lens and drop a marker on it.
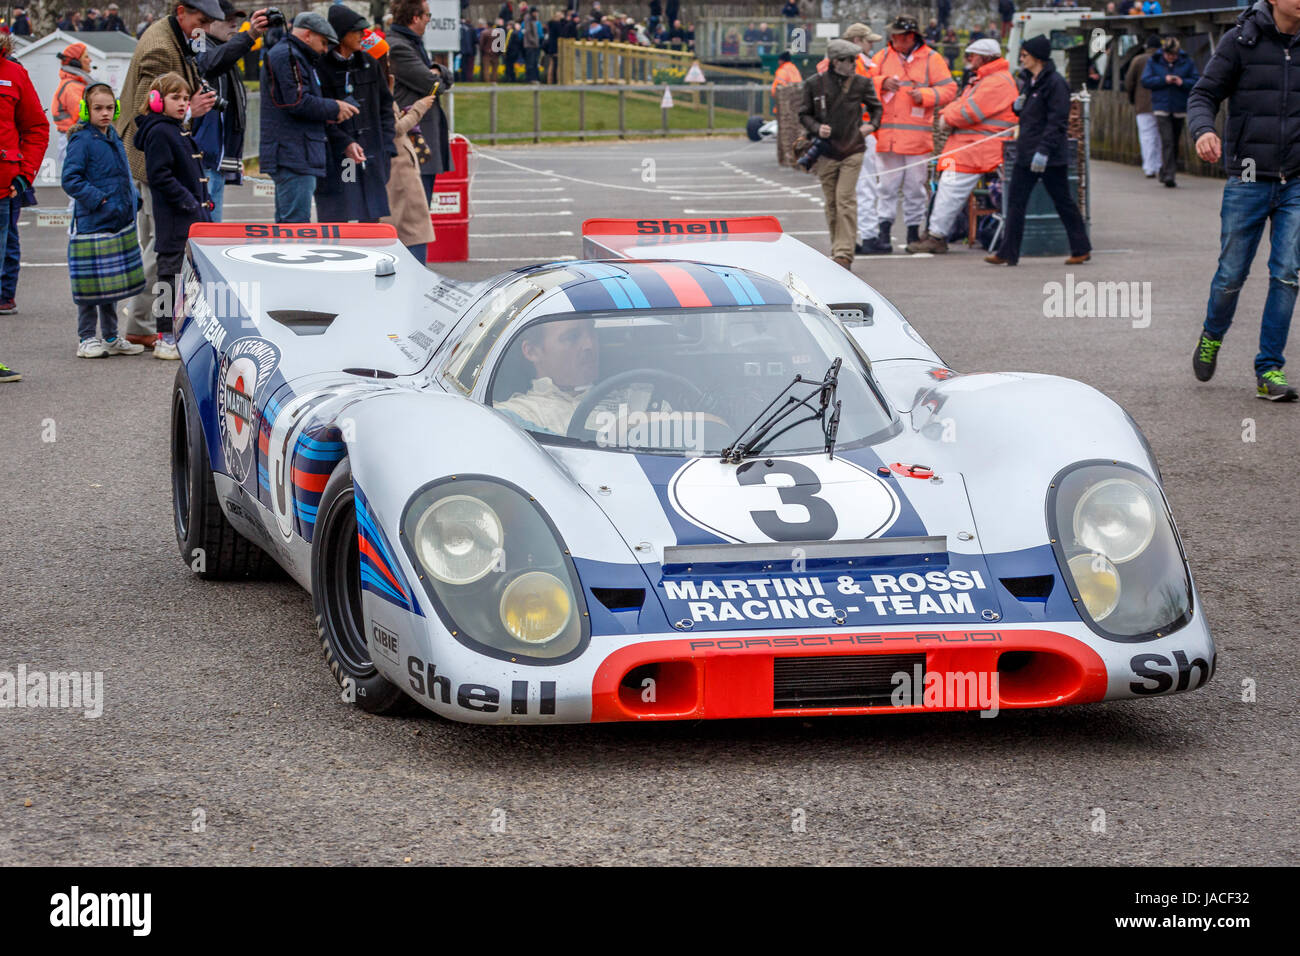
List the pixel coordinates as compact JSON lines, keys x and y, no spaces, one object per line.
{"x":221,"y":102}
{"x":812,"y":153}
{"x":274,"y":18}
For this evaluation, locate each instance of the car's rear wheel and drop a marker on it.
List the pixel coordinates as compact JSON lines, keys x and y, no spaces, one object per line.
{"x":208,"y":542}
{"x":336,"y":599}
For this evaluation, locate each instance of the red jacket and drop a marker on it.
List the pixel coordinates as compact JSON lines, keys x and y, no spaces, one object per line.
{"x":982,"y":117}
{"x":24,"y":130}
{"x":908,"y":126}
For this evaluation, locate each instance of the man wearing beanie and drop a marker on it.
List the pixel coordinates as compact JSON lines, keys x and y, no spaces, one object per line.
{"x":1044,"y":110}
{"x":832,"y":111}
{"x":355,"y":185}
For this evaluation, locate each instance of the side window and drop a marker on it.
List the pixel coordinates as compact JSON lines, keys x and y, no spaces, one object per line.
{"x":472,"y":351}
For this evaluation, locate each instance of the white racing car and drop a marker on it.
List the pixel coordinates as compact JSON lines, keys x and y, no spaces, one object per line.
{"x":704,"y":473}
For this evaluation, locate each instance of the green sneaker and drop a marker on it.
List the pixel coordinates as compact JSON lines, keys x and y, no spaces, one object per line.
{"x":1205,"y":357}
{"x":1272,"y":387}
{"x":9,"y":375}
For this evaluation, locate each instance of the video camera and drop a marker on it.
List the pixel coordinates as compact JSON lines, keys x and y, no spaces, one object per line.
{"x":274,"y":17}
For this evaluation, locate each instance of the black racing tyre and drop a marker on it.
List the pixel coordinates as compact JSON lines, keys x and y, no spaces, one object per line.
{"x":753,"y":126}
{"x":209,"y":544}
{"x":336,"y":599}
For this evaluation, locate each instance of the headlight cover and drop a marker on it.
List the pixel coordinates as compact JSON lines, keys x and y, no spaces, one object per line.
{"x":496,"y":570}
{"x":1118,"y":551}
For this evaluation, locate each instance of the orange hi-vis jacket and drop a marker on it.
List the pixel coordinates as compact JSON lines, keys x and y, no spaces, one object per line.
{"x":907,"y":126}
{"x":983,"y":111}
{"x":786,"y":73}
{"x":863,"y":66}
{"x":66,"y":105}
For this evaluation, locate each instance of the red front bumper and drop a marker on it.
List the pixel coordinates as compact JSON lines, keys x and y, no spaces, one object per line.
{"x":715,"y":676}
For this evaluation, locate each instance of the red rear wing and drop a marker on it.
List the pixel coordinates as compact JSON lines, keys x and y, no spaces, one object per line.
{"x":233,"y":232}
{"x":602,"y":238}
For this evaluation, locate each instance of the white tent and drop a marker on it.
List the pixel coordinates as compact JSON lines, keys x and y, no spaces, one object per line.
{"x":110,"y":55}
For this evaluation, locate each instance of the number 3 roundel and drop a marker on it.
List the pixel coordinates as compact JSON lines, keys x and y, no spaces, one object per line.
{"x":810,"y":498}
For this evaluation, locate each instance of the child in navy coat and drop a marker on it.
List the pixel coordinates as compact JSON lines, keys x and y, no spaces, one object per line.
{"x":97,"y":177}
{"x":179,"y":186}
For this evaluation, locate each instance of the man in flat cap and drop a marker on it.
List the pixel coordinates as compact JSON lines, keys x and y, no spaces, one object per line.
{"x":295,"y":113}
{"x":832,"y":112}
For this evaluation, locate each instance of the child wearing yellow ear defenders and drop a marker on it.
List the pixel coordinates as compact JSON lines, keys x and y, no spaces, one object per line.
{"x":97,"y":177}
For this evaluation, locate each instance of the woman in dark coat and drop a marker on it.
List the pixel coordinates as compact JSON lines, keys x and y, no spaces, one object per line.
{"x":415,"y":76}
{"x":359,"y":150}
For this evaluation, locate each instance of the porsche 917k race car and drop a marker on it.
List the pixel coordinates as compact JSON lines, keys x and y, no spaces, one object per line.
{"x":704,"y":472}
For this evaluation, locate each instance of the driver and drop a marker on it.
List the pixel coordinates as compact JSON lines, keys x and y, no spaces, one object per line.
{"x":565,"y":355}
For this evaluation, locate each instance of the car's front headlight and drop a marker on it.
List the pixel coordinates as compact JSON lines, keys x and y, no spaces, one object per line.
{"x":1118,"y":551}
{"x":496,"y":570}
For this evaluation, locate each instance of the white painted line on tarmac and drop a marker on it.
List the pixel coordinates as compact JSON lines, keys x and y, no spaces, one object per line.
{"x":750,"y":212}
{"x":516,"y":215}
{"x":525,"y":191}
{"x":520,"y":202}
{"x":516,"y":235}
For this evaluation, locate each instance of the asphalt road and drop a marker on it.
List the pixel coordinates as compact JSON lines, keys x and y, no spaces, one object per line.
{"x":223,"y":739}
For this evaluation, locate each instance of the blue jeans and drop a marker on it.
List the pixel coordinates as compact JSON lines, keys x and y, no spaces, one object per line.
{"x":6,"y":208}
{"x":217,"y":190}
{"x":1246,"y":208}
{"x":293,"y":192}
{"x":13,"y":256}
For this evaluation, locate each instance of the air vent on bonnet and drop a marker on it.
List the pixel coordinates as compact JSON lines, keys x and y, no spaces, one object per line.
{"x":838,"y":681}
{"x":620,"y":599}
{"x":854,"y":313}
{"x":303,"y":321}
{"x":1033,"y":588}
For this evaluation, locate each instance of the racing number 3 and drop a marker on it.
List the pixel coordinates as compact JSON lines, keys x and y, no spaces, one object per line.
{"x":821,"y":524}
{"x":310,"y":255}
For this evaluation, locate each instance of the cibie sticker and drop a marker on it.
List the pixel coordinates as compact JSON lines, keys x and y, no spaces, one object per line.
{"x":298,"y":255}
{"x":807,"y":498}
{"x":245,"y":369}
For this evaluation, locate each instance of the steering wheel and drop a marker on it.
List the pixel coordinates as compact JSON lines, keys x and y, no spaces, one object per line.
{"x":686,"y":389}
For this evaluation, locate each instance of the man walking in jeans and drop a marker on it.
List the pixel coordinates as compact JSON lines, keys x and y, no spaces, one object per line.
{"x":1257,"y":68}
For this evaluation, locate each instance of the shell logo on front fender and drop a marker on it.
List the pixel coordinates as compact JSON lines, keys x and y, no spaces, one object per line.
{"x":808,"y":498}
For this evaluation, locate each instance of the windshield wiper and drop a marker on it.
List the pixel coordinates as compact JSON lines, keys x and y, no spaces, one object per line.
{"x":820,"y":402}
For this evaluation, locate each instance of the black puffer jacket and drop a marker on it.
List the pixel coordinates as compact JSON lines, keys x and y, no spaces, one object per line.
{"x":1256,"y":69}
{"x":1044,"y":116}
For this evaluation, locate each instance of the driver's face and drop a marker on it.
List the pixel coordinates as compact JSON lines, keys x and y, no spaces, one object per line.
{"x":567,"y":352}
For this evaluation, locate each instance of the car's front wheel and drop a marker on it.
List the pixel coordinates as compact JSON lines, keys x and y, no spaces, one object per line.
{"x":209,"y":544}
{"x":336,"y":599}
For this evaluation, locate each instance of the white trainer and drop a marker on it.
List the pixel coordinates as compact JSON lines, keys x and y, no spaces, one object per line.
{"x":91,"y":348}
{"x":166,"y":350}
{"x":120,"y":346}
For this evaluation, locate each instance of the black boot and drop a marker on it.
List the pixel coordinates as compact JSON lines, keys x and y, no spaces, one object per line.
{"x":881,"y":245}
{"x":913,"y":233}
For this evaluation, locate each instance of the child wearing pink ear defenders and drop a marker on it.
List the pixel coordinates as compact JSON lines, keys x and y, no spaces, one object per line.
{"x":179,"y":186}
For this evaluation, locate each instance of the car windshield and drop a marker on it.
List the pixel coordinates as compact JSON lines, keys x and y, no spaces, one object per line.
{"x":685,"y":381}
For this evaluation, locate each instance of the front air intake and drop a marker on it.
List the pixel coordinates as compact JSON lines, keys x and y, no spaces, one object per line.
{"x":839,"y":681}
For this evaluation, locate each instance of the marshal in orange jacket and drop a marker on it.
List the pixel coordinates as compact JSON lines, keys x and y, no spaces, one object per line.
{"x":786,"y":73}
{"x":908,"y":126}
{"x":978,"y":117}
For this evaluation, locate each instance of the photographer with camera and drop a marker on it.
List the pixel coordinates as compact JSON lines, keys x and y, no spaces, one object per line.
{"x":295,"y":113}
{"x":165,"y":47}
{"x":220,"y":134}
{"x":831,"y":112}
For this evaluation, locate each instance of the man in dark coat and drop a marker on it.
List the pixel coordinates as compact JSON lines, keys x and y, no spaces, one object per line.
{"x":1170,"y":77}
{"x":295,"y":114}
{"x":468,"y":50}
{"x":1044,"y":111}
{"x":416,"y":76}
{"x":1255,"y":69}
{"x":355,"y":184}
{"x":22,"y":26}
